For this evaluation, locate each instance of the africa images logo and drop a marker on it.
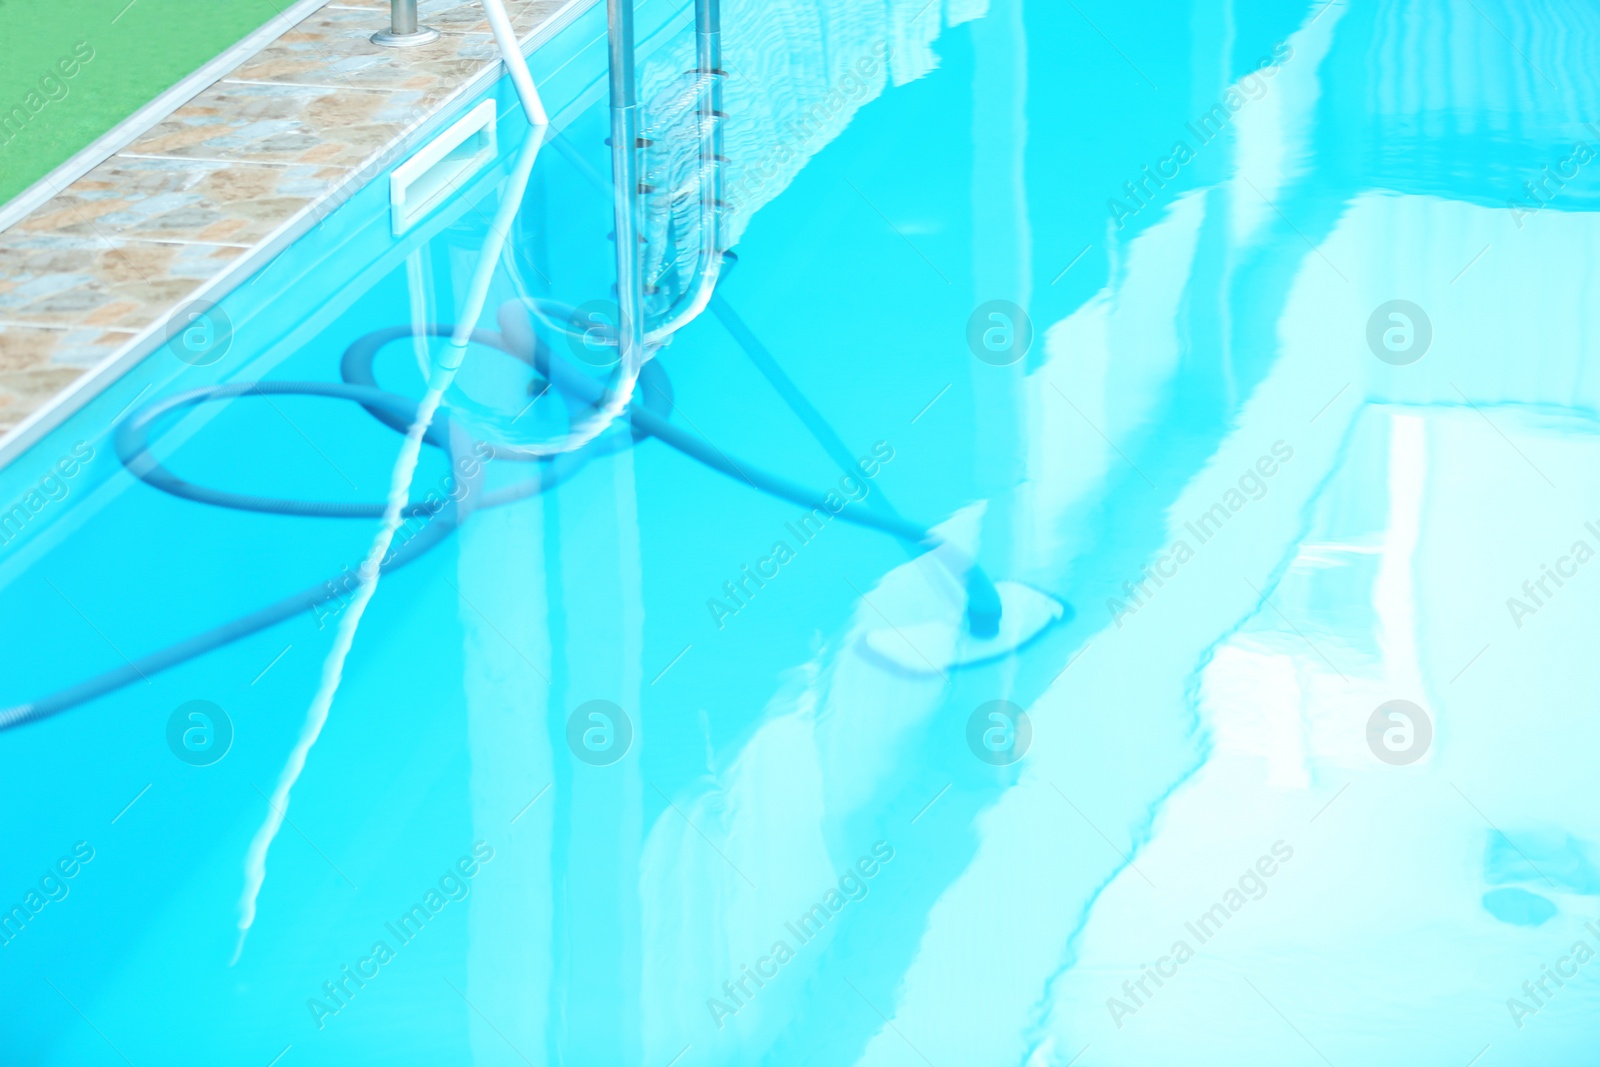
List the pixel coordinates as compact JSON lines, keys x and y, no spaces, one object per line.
{"x":1145,"y":190}
{"x":1251,"y":885}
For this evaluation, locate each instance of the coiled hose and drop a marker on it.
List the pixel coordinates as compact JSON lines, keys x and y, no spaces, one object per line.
{"x":649,"y":415}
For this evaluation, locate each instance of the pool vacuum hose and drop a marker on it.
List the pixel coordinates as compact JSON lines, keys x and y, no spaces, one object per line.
{"x":648,"y":414}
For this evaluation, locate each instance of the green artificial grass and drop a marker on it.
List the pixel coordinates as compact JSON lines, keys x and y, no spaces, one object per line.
{"x":120,"y":57}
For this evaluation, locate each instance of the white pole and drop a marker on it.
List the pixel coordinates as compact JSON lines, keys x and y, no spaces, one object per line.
{"x":511,"y":51}
{"x":443,"y":374}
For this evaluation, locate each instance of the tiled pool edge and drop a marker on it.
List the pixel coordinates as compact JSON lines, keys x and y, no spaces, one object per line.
{"x":536,"y":21}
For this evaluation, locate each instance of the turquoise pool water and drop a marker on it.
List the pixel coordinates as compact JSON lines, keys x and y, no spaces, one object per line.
{"x":1304,"y":432}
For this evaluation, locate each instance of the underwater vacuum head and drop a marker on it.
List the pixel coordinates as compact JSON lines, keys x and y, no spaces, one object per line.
{"x":946,"y":641}
{"x":990,"y":621}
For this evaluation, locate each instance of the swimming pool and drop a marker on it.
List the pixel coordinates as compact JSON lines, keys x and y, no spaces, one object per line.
{"x":1298,"y":424}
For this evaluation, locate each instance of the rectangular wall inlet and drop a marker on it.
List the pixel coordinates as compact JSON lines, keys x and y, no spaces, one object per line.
{"x":427,"y":179}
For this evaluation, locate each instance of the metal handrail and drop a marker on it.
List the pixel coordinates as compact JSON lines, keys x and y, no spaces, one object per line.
{"x":625,"y":186}
{"x":708,"y":259}
{"x":403,"y":29}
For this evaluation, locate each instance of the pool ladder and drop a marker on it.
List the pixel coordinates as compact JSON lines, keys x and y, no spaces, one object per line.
{"x":631,"y":182}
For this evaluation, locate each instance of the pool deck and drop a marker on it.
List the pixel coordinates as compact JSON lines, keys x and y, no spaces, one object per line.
{"x":193,"y":199}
